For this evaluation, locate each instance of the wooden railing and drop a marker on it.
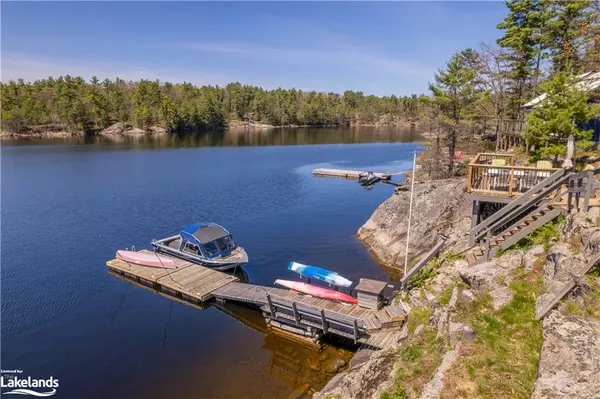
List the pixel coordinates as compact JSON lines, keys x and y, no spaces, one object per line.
{"x":496,"y":175}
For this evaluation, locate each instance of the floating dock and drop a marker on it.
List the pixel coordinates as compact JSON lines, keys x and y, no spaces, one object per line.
{"x":349,"y":174}
{"x":286,"y":311}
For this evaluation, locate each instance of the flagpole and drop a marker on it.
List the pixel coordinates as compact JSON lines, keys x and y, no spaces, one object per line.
{"x":412,"y":189}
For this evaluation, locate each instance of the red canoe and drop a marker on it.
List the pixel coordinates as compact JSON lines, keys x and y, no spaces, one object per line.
{"x":146,"y":259}
{"x":315,"y":291}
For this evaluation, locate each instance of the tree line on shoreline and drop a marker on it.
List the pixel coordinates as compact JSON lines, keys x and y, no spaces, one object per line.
{"x":544,"y":45}
{"x":76,"y":105}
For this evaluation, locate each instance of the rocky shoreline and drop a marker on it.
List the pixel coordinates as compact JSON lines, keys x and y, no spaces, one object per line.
{"x":551,"y":359}
{"x":126,"y":129}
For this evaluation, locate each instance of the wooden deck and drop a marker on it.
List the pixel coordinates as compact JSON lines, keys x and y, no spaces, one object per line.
{"x":496,"y":175}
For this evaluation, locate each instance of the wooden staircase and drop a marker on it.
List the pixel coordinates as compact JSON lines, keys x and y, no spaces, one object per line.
{"x":511,"y":235}
{"x":530,"y":211}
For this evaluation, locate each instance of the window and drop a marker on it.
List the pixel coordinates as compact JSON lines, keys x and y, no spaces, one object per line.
{"x":226,"y":243}
{"x":211,"y":248}
{"x":191,"y":248}
{"x":229,"y":242}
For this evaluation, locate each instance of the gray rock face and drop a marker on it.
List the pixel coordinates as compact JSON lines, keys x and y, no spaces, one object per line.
{"x":364,"y":381}
{"x":568,"y":261}
{"x":501,"y":297}
{"x":435,"y":386}
{"x":134,"y":132}
{"x":124,"y":129}
{"x":584,"y":226}
{"x":532,"y":256}
{"x":570,"y":362}
{"x":561,"y":263}
{"x":494,"y":274}
{"x":116,"y":128}
{"x":439,"y":207}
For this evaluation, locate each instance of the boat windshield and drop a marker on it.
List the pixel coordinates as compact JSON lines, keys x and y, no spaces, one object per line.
{"x":226,"y":243}
{"x":211,"y":248}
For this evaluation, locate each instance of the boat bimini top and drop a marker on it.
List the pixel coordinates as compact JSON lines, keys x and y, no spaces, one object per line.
{"x":208,"y":239}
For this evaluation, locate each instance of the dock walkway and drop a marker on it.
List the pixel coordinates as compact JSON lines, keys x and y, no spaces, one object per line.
{"x":198,"y":284}
{"x":349,"y":174}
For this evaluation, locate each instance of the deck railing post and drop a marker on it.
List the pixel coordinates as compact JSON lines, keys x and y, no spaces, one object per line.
{"x":271,"y":307}
{"x":570,"y":184}
{"x":296,"y":314}
{"x":355,"y":332}
{"x":588,"y":190}
{"x":470,"y":178}
{"x":578,"y":192}
{"x":324,"y":322}
{"x":488,"y":238}
{"x":511,"y":182}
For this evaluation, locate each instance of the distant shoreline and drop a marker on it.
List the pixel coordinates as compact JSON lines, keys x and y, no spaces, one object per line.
{"x":130,"y":131}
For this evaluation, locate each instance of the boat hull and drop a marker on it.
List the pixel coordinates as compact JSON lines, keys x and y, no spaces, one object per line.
{"x":233,"y":261}
{"x":320,"y":274}
{"x":319,"y":292}
{"x":146,"y":259}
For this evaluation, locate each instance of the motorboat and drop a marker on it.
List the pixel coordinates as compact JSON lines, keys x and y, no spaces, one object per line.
{"x":207,"y":244}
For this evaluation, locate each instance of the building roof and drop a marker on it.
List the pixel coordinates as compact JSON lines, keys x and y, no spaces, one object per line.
{"x":371,"y":286}
{"x":586,"y":81}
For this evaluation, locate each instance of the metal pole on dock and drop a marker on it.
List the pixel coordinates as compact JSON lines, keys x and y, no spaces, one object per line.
{"x":412,"y":189}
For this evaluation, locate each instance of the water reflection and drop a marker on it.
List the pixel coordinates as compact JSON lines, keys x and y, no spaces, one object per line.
{"x":246,"y":138}
{"x":303,"y":366}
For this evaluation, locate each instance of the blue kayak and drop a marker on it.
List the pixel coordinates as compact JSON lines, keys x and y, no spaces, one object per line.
{"x":320,"y":274}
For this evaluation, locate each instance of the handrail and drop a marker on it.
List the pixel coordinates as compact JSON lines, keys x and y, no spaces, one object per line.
{"x":490,"y":166}
{"x":492,"y":154}
{"x":482,"y":228}
{"x":422,"y":262}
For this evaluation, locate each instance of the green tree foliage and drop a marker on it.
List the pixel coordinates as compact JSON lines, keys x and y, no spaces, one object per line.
{"x":72,"y":103}
{"x":568,"y":32}
{"x":549,"y":125}
{"x":454,"y":94}
{"x":523,"y":41}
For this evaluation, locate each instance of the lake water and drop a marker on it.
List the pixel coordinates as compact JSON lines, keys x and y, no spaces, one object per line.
{"x":67,"y":207}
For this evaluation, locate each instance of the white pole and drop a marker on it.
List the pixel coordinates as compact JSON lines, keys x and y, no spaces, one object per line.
{"x":412,"y":189}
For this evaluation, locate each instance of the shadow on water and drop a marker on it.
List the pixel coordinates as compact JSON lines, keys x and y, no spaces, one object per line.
{"x":302,"y":366}
{"x":245,"y":138}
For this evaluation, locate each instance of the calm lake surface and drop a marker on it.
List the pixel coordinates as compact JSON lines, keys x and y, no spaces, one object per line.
{"x":67,"y":207}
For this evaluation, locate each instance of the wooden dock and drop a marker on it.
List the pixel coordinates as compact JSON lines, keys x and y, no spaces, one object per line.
{"x":349,"y":174}
{"x":187,"y":281}
{"x":284,"y":309}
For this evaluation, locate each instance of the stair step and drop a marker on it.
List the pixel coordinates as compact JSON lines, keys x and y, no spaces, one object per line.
{"x":471,"y":258}
{"x":501,"y":239}
{"x":478,"y":252}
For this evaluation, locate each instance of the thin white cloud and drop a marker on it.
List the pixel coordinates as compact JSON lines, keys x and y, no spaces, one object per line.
{"x":29,"y":68}
{"x":340,"y":56}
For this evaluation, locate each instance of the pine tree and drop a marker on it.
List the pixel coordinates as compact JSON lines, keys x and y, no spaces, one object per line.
{"x":454,"y":93}
{"x":524,"y":43}
{"x":560,"y":115}
{"x":567,"y":33}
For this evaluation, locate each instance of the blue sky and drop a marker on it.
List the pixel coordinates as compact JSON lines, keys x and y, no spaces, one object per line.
{"x":378,"y":48}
